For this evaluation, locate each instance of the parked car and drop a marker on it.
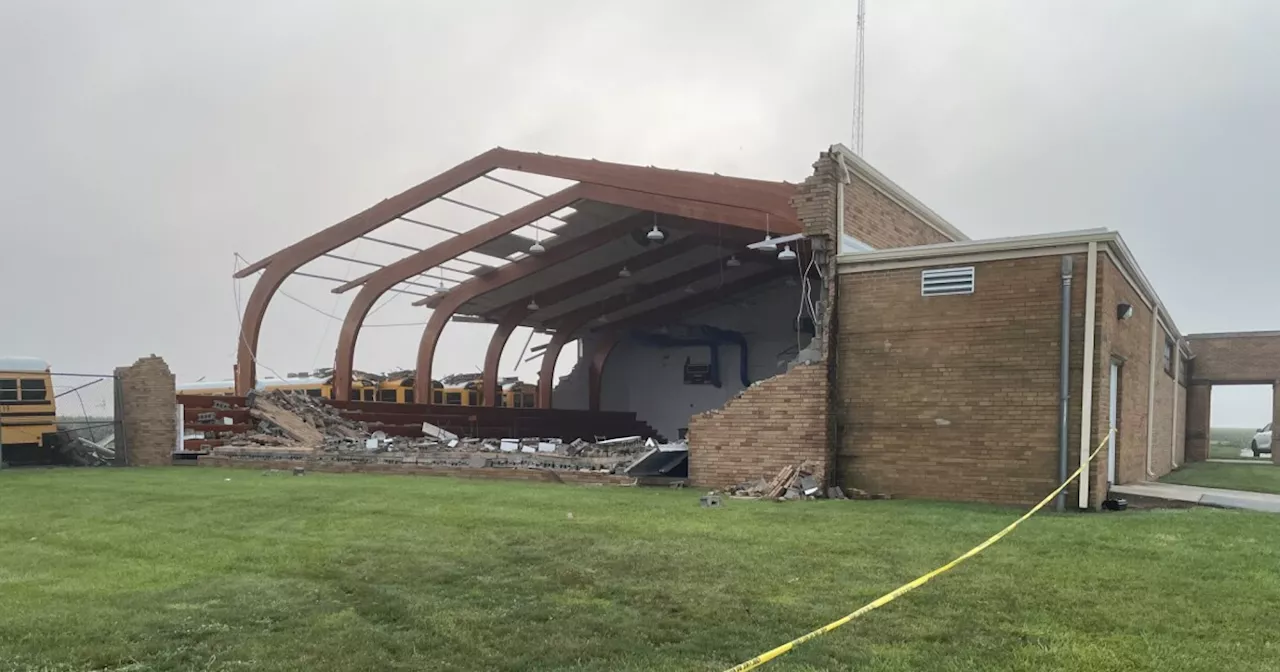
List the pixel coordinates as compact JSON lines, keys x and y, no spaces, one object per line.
{"x":1262,"y":441}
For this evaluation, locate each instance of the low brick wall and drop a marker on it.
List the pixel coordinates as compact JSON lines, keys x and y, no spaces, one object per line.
{"x":776,"y":422}
{"x":344,"y":467}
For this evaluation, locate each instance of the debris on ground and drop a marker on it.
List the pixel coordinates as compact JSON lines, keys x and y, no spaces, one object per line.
{"x":297,"y":427}
{"x":794,"y":482}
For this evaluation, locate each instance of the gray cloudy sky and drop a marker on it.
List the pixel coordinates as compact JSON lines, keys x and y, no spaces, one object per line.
{"x":148,"y":140}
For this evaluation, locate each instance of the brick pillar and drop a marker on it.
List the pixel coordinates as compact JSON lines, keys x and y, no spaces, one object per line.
{"x":1275,"y":422}
{"x":1199,"y":396}
{"x":146,"y":411}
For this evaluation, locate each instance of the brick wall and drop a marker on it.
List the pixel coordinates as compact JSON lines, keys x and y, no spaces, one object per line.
{"x":147,"y":411}
{"x":1128,"y":342}
{"x":956,"y":397}
{"x":877,"y":220}
{"x":778,"y":421}
{"x":1244,"y":358}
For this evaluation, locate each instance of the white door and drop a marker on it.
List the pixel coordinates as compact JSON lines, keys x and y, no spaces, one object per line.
{"x":1111,"y":441}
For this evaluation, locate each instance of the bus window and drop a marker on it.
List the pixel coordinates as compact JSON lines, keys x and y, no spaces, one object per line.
{"x":8,"y":389}
{"x":473,"y":398}
{"x":368,"y":395}
{"x":529,"y":401}
{"x":453,"y":398}
{"x":355,"y":395}
{"x":408,"y":395}
{"x":33,"y":390}
{"x":437,"y":397}
{"x":313,"y":392}
{"x":387,"y":395}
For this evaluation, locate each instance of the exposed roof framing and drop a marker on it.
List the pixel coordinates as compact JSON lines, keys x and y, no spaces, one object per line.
{"x":612,"y":201}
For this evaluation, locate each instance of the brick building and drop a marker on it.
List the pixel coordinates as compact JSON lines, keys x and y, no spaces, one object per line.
{"x":873,"y":338}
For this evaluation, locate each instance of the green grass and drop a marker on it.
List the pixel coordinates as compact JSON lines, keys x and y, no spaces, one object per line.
{"x":1263,"y":477}
{"x":1230,"y":442}
{"x":179,"y":569}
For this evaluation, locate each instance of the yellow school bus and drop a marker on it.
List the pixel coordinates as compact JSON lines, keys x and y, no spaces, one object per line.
{"x":28,"y":419}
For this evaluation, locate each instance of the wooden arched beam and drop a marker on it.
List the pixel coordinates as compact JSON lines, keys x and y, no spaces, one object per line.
{"x":497,"y":342}
{"x":706,"y":212}
{"x":383,"y":279}
{"x":518,"y":310}
{"x":550,"y":355}
{"x":599,"y":357}
{"x":769,"y":202}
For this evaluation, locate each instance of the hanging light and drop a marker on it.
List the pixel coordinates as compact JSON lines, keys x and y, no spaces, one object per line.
{"x":624,"y":273}
{"x":533,"y":304}
{"x":536,"y":248}
{"x":602,"y":319}
{"x":786,"y":254}
{"x":654,"y":234}
{"x":733,"y":261}
{"x":767,"y":244}
{"x":688,"y":289}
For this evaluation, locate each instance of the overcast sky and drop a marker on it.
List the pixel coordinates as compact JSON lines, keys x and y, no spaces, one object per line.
{"x":146,"y":141}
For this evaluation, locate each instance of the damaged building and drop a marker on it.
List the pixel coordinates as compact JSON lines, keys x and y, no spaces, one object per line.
{"x":835,"y":322}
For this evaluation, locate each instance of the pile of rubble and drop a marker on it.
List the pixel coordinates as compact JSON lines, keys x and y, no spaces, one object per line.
{"x":795,"y":481}
{"x":294,"y":426}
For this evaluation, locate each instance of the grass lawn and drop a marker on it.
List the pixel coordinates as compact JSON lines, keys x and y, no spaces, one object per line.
{"x":1231,"y":443}
{"x":179,"y":569}
{"x":1264,"y":477}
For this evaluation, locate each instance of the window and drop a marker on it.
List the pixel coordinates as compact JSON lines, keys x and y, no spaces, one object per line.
{"x":355,"y":395}
{"x":437,"y":397}
{"x":453,"y":398}
{"x":387,"y":395}
{"x":33,"y":390}
{"x":473,"y":398}
{"x":8,"y":389}
{"x":368,"y":395}
{"x":529,"y":401}
{"x":946,"y":281}
{"x":408,"y":395}
{"x":313,"y":392}
{"x":1168,"y":355}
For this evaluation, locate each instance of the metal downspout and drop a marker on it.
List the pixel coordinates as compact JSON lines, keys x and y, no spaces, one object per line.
{"x":1064,"y":377}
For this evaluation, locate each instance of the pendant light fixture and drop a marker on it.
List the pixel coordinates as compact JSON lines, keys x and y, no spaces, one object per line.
{"x":624,"y":273}
{"x":733,"y":261}
{"x":654,"y":234}
{"x":786,"y":254}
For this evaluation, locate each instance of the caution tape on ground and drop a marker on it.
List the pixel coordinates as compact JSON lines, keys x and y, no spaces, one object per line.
{"x":908,"y":587}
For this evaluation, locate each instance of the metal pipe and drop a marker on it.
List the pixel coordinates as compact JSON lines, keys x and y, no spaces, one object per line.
{"x":1086,"y":385}
{"x":1064,"y":376}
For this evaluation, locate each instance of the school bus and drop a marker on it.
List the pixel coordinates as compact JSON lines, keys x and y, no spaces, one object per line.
{"x":28,"y":418}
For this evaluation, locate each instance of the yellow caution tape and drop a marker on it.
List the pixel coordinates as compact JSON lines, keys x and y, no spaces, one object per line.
{"x":906,"y":588}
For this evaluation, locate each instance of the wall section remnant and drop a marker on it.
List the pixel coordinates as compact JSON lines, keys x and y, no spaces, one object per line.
{"x":147,"y":411}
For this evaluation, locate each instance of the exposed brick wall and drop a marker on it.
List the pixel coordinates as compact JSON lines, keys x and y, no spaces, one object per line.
{"x":880,"y":222}
{"x":778,"y":421}
{"x":956,"y":397}
{"x":1252,"y":358}
{"x":147,"y":411}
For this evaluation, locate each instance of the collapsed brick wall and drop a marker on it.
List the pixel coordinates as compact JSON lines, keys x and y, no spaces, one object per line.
{"x":776,"y":422}
{"x":147,"y":411}
{"x":956,"y":397}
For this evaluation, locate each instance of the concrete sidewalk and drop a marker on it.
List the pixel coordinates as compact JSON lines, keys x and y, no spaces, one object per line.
{"x":1231,"y":499}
